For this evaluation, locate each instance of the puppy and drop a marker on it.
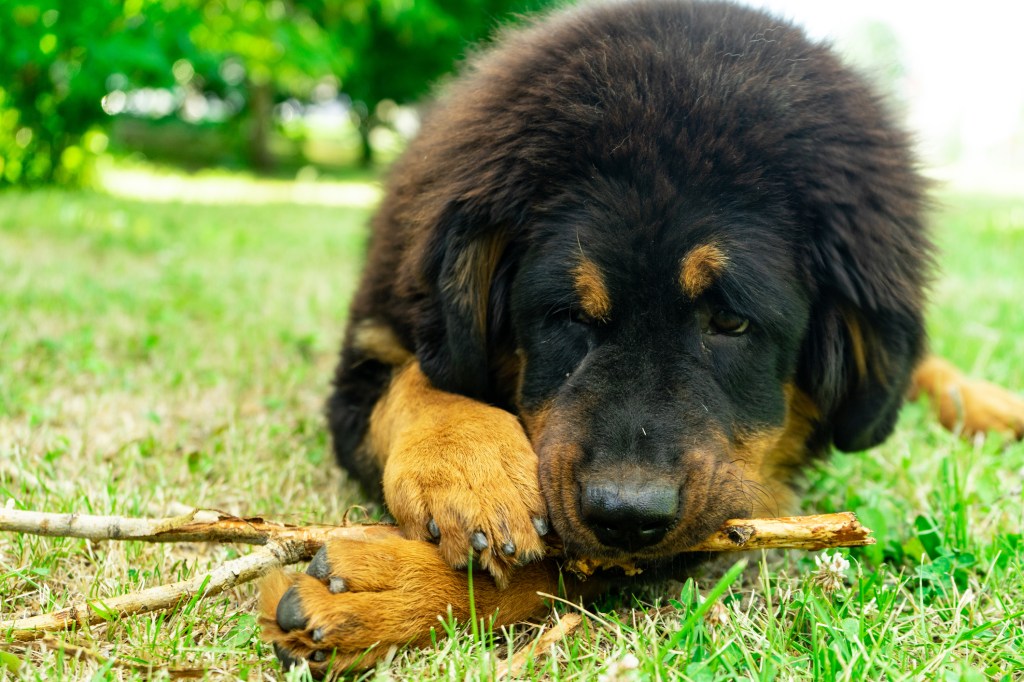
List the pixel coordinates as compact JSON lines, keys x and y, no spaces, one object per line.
{"x":644,"y":262}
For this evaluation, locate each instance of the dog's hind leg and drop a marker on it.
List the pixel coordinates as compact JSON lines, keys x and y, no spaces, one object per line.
{"x":969,"y":406}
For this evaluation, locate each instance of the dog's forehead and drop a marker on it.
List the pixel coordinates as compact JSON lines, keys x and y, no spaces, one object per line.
{"x":685,"y":252}
{"x":668,"y":242}
{"x":693,"y":272}
{"x":739,"y":261}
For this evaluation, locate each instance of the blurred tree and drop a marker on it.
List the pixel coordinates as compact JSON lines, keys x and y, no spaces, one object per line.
{"x":60,"y":58}
{"x":56,"y":61}
{"x":63,"y":62}
{"x":396,"y":49}
{"x":281,"y":48}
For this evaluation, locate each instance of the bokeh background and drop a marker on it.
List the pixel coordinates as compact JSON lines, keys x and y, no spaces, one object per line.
{"x":305,"y":87}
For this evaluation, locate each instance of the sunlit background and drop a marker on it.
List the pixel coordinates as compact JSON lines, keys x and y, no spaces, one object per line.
{"x":307,"y":89}
{"x":955,"y":70}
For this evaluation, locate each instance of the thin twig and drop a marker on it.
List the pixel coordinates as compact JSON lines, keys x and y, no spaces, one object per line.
{"x":200,"y":525}
{"x":160,"y":598}
{"x":286,"y":544}
{"x":810,"y":533}
{"x":841,"y":529}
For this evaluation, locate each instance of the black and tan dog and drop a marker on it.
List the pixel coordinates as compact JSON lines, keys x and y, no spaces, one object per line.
{"x":644,"y":262}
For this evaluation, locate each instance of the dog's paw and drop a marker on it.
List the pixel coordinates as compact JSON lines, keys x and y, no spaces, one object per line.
{"x":357,"y":600}
{"x":360,"y":598}
{"x":471,"y":485}
{"x":970,"y":405}
{"x":981,"y":407}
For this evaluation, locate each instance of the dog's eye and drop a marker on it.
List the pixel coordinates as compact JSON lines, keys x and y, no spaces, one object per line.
{"x":728,"y":323}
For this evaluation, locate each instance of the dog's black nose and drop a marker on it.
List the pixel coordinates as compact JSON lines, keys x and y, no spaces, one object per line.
{"x":627,"y":514}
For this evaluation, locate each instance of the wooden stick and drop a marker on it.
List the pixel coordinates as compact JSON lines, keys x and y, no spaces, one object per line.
{"x":811,"y":533}
{"x":199,"y":525}
{"x":160,"y":598}
{"x":793,"y":532}
{"x":283,"y":545}
{"x":286,"y":544}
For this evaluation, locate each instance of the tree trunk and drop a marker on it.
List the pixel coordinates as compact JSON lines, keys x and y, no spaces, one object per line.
{"x":366,"y":151}
{"x":261,"y":107}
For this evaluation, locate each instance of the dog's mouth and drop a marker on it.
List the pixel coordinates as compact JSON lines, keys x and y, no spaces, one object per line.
{"x":661,"y":505}
{"x":648,"y":507}
{"x":633,"y":513}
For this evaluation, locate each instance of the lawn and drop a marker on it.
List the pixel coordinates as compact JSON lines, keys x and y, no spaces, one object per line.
{"x":169,"y":345}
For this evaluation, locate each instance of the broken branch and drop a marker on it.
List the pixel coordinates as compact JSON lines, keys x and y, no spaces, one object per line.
{"x":160,"y":598}
{"x":792,"y":532}
{"x":811,"y":533}
{"x":199,"y":525}
{"x":285,"y":544}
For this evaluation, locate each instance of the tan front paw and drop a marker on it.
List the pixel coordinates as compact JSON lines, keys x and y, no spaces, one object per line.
{"x":470,"y":484}
{"x":359,"y":598}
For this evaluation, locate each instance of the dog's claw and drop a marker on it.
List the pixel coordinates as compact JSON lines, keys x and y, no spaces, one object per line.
{"x":319,"y":568}
{"x":290,"y":615}
{"x":478,"y":541}
{"x":287,"y":660}
{"x":540,"y":524}
{"x":434,"y":531}
{"x":509,"y":548}
{"x":337,"y":585}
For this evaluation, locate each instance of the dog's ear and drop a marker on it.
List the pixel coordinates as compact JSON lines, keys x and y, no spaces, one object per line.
{"x":867,"y":331}
{"x":465,"y":269}
{"x":858,"y":371}
{"x":851,"y":177}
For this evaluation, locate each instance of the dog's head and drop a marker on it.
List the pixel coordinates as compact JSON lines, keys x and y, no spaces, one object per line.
{"x":687,"y":273}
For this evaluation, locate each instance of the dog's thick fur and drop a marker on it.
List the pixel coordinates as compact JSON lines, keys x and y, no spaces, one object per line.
{"x":644,"y":261}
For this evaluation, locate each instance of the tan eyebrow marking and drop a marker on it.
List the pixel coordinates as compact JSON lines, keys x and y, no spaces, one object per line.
{"x":593,"y":293}
{"x":699,"y":269}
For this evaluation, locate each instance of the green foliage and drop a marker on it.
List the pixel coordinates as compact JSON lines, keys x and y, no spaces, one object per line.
{"x":397,"y":49}
{"x":57,"y":59}
{"x":60,"y":58}
{"x":278,"y":44}
{"x":63,"y":57}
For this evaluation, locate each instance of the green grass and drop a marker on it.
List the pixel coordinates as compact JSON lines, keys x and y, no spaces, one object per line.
{"x":156,"y":353}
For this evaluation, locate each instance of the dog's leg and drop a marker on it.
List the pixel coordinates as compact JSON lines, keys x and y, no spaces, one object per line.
{"x":361,"y":597}
{"x":459,"y":473}
{"x":965,"y":404}
{"x":451,"y":470}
